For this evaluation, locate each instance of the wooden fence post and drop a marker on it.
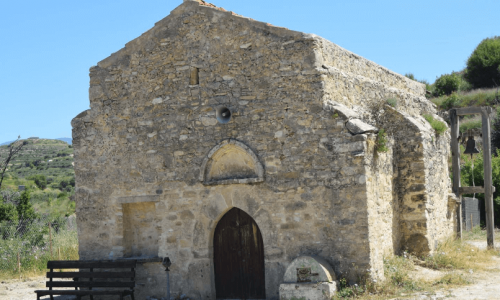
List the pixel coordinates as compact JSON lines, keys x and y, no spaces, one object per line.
{"x":50,"y":239}
{"x":19,"y":263}
{"x":471,"y":225}
{"x":455,"y":159}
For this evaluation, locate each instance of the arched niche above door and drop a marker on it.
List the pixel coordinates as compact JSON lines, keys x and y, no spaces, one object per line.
{"x":231,"y":162}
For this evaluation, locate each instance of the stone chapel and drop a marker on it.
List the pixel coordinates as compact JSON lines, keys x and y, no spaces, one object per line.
{"x":228,"y":144}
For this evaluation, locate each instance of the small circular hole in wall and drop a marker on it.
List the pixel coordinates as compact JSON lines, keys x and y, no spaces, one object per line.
{"x":223,"y":115}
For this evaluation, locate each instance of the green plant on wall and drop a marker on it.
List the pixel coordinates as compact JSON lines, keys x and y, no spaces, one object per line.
{"x":437,"y":125}
{"x":392,"y":102}
{"x":382,"y":141}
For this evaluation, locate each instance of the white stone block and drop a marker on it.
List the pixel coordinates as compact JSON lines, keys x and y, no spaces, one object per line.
{"x":307,"y":291}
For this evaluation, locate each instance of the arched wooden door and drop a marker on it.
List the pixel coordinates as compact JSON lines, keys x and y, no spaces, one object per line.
{"x":238,"y":257}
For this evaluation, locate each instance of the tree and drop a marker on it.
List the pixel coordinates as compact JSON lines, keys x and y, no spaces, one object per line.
{"x":483,"y":65}
{"x":25,"y":209}
{"x":40,"y":181}
{"x":13,"y":149}
{"x":447,"y":84}
{"x":7,"y":212}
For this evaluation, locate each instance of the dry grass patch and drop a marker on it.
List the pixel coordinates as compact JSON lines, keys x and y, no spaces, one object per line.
{"x":408,"y":274}
{"x":457,"y":255}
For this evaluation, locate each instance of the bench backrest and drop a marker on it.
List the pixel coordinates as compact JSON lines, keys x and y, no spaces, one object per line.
{"x":112,"y":270}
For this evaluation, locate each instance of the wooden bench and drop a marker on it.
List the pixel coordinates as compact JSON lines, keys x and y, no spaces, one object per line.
{"x":109,"y":282}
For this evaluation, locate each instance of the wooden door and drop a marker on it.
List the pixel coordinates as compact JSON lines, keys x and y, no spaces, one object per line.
{"x":238,"y":257}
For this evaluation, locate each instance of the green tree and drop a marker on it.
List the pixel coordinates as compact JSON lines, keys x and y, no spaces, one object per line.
{"x":483,"y":65}
{"x":7,"y":212}
{"x":25,"y":209}
{"x":40,"y":181}
{"x":447,"y":84}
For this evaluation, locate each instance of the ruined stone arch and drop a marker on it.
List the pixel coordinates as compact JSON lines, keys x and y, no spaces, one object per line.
{"x":231,"y":162}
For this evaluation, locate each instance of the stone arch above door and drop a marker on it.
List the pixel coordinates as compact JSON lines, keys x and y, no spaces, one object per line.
{"x":231,"y":162}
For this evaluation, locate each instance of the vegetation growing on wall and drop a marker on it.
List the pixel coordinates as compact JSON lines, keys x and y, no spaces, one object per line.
{"x":382,"y":141}
{"x":437,"y":125}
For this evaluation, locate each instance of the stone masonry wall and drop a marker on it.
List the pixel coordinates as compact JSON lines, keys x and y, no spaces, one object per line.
{"x":383,"y":208}
{"x":149,"y":129}
{"x":364,"y":86}
{"x":140,"y":150}
{"x":425,"y":214}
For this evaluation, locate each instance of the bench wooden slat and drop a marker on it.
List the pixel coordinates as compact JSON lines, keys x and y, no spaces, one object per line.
{"x":90,"y":274}
{"x":122,"y":286}
{"x":76,"y":264}
{"x":129,"y":284}
{"x":86,"y":292}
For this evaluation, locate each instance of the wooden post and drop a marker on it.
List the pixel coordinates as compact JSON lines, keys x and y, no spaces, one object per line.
{"x":455,"y":160}
{"x":59,"y":252}
{"x":19,"y":263}
{"x":471,"y":225}
{"x":488,"y":182}
{"x":50,"y":239}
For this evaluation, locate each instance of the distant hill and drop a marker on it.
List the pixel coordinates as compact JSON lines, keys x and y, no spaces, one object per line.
{"x":5,"y":143}
{"x":49,"y":157}
{"x":67,"y":140}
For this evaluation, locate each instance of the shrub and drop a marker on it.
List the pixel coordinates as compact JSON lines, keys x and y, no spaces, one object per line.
{"x":447,"y":84}
{"x":437,"y":125}
{"x":392,"y":102}
{"x":40,"y":181}
{"x":411,"y":76}
{"x":452,"y":101}
{"x":7,"y":212}
{"x":483,"y":65}
{"x":25,"y":209}
{"x":382,"y":141}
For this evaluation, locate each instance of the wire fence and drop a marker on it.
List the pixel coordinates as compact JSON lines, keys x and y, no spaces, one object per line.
{"x":26,"y":245}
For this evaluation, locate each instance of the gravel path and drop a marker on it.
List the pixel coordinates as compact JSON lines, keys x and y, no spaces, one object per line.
{"x":24,"y":289}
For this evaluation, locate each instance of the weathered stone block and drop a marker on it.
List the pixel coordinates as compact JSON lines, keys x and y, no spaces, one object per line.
{"x":308,"y":291}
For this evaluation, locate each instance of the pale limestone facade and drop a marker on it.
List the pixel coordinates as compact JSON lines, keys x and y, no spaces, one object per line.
{"x":155,"y":169}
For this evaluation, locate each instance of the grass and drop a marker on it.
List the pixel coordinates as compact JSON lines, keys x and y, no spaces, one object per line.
{"x":477,"y":233}
{"x":455,"y":258}
{"x":478,"y":97}
{"x":458,"y":255}
{"x":33,"y":248}
{"x":470,"y":123}
{"x":437,"y":125}
{"x":392,"y":102}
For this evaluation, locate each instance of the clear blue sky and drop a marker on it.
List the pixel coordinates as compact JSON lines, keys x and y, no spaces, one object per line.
{"x":47,"y":47}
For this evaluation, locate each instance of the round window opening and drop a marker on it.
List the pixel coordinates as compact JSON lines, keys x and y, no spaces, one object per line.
{"x":223,"y":115}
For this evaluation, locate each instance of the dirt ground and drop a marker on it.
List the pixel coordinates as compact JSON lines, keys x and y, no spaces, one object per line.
{"x":485,"y":286}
